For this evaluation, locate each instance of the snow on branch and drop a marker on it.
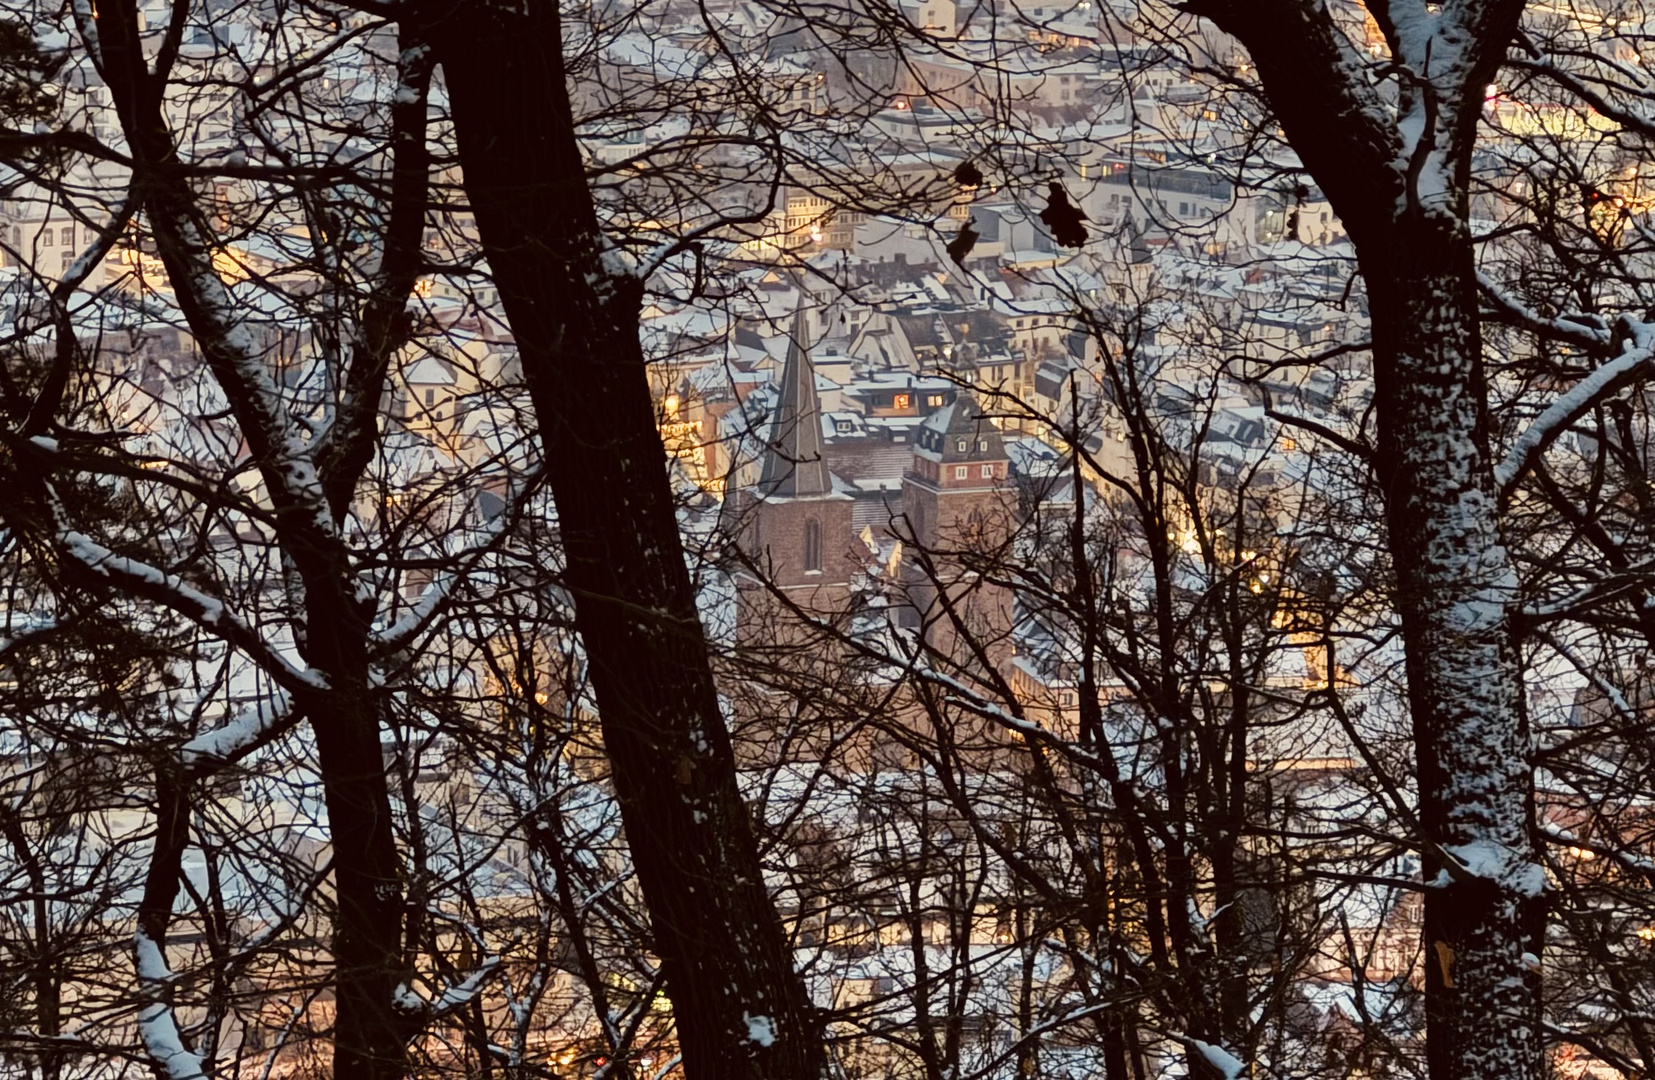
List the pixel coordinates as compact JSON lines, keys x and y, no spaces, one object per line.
{"x":157,"y":1025}
{"x":1636,"y":361}
{"x":437,"y":594}
{"x":246,"y":730}
{"x":1493,"y":861}
{"x":1628,"y":860}
{"x":147,"y":581}
{"x":456,"y":996}
{"x":402,"y":631}
{"x":1225,"y":1063}
{"x":1587,"y":331}
{"x":967,"y":698}
{"x":285,"y":460}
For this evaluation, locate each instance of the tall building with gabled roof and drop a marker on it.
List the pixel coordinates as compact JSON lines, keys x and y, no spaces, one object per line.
{"x":960,"y":510}
{"x":794,"y":526}
{"x":793,"y":463}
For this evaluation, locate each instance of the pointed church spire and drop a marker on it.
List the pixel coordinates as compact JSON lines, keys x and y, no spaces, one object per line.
{"x":793,"y":464}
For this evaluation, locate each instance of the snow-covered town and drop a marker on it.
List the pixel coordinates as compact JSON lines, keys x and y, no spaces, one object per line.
{"x":748,"y":540}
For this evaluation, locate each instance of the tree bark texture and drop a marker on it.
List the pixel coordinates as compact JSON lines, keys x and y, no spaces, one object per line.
{"x":1401,"y":192}
{"x":741,"y":1010}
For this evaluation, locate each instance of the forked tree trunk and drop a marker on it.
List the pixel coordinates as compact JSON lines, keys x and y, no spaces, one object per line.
{"x":1401,"y":188}
{"x":741,"y":1009}
{"x":371,"y":1031}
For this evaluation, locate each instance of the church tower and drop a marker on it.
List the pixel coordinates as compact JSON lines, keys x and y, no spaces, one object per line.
{"x":794,"y":526}
{"x":960,"y":506}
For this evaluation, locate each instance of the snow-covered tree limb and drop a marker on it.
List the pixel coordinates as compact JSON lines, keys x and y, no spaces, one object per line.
{"x":249,"y":729}
{"x":1636,"y":361}
{"x":157,"y":1023}
{"x":456,"y":995}
{"x":1586,"y":331}
{"x":151,"y":583}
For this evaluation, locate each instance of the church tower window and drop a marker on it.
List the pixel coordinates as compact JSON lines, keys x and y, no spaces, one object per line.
{"x":813,"y":545}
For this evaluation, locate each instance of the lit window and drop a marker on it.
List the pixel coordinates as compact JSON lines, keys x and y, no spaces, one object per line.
{"x":935,"y":401}
{"x":1289,"y":443}
{"x":961,"y":472}
{"x":903,"y":401}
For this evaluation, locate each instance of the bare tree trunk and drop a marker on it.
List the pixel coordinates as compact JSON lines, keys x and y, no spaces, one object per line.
{"x":1399,"y":178}
{"x":741,"y":1009}
{"x":1455,"y":583}
{"x":309,"y":492}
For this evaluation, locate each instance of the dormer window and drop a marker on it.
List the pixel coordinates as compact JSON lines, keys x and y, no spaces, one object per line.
{"x":935,"y":401}
{"x":982,"y":444}
{"x":961,"y":445}
{"x":842,"y":426}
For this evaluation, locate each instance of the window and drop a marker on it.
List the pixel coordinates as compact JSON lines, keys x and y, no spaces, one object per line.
{"x":430,"y":396}
{"x":813,"y":546}
{"x":935,"y":401}
{"x":46,"y":238}
{"x":988,"y":472}
{"x":961,"y":444}
{"x":68,"y":236}
{"x":842,"y":426}
{"x":982,"y":445}
{"x":902,"y":401}
{"x":961,"y":472}
{"x":1289,"y":443}
{"x":68,"y":259}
